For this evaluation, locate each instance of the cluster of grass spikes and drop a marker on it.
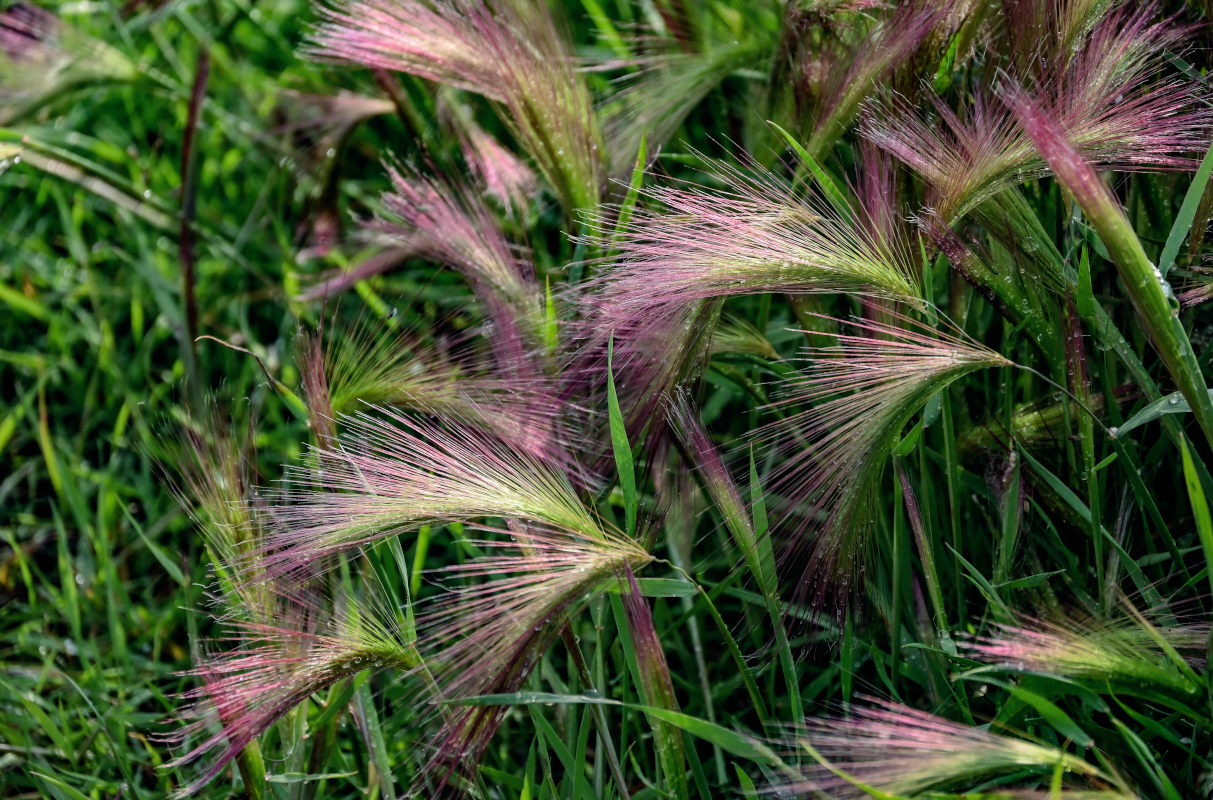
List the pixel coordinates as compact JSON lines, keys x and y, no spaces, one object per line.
{"x":631,"y":399}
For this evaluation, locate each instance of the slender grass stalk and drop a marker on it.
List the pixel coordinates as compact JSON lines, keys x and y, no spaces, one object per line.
{"x":185,"y":238}
{"x":749,"y":535}
{"x":656,"y":687}
{"x":1149,"y":292}
{"x":926,"y":553}
{"x":600,"y":721}
{"x":1081,"y":387}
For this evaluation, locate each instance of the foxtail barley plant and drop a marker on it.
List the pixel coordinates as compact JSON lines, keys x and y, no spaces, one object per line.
{"x":737,"y":398}
{"x":893,"y":359}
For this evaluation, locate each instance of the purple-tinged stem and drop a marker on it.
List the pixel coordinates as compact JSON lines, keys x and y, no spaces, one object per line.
{"x":189,"y":196}
{"x":656,"y":686}
{"x":1149,"y":292}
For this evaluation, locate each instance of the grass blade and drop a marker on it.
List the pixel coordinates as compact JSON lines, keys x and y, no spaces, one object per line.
{"x":1182,"y":225}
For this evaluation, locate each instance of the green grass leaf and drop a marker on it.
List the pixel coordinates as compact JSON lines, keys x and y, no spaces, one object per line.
{"x":1200,"y":508}
{"x":1174,"y":403}
{"x":838,"y":198}
{"x":624,"y":463}
{"x":1182,"y":225}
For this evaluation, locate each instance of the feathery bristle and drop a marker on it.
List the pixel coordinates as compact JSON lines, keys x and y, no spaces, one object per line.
{"x":386,"y":474}
{"x":861,"y":393}
{"x":1112,"y":102}
{"x":485,"y":638}
{"x":1200,"y":290}
{"x":317,"y":124}
{"x":326,"y":116}
{"x":888,"y":46}
{"x":510,"y":51}
{"x":40,"y":54}
{"x":737,"y":336}
{"x":334,"y":282}
{"x":313,"y":642}
{"x":443,"y":41}
{"x":1126,"y":651}
{"x":504,"y":176}
{"x":217,"y":471}
{"x":367,"y":364}
{"x":1105,"y":92}
{"x":446,"y":221}
{"x":756,"y":236}
{"x":965,"y":158}
{"x":661,"y":295}
{"x":651,"y":103}
{"x":654,"y":357}
{"x":891,"y":748}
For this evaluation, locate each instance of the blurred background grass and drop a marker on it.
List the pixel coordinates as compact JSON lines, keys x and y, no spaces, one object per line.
{"x":98,"y":574}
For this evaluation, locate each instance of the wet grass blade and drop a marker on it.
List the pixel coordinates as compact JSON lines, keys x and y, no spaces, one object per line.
{"x":624,"y":463}
{"x":1182,"y":226}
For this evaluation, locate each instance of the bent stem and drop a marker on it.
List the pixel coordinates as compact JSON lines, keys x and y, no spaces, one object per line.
{"x":1148,"y":290}
{"x":1086,"y":408}
{"x":1151,"y":297}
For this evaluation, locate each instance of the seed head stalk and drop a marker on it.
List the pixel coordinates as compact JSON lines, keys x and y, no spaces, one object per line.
{"x":1153,"y":300}
{"x":1077,"y":369}
{"x":753,"y":544}
{"x":600,"y":720}
{"x":1148,"y":291}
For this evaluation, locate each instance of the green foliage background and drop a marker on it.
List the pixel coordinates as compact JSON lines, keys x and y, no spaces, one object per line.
{"x":101,"y":571}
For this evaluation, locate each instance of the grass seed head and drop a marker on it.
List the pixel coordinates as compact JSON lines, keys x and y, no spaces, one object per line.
{"x":859,"y":394}
{"x":889,"y":747}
